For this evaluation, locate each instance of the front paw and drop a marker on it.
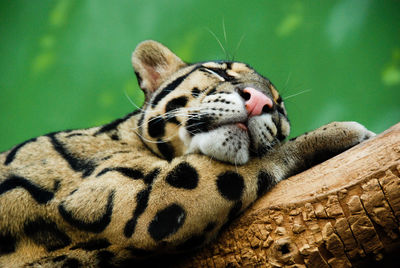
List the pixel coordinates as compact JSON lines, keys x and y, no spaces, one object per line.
{"x":350,"y":133}
{"x":343,"y":135}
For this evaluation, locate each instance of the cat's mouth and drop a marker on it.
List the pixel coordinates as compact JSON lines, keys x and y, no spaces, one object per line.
{"x":234,"y":141}
{"x":242,"y":126}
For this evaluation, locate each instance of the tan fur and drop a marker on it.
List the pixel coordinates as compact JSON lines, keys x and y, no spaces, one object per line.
{"x":127,"y":145}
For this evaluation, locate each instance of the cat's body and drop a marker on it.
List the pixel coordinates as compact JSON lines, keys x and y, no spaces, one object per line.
{"x":166,"y":178}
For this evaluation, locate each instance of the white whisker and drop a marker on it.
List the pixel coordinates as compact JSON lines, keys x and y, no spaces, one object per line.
{"x":219,"y":42}
{"x":133,"y":103}
{"x":237,"y":46}
{"x":287,"y":80}
{"x":296,"y":94}
{"x":224,"y":30}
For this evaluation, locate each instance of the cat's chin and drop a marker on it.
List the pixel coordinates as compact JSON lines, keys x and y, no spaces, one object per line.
{"x":228,"y":143}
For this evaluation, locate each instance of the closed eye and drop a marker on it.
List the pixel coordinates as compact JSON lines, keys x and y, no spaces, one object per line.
{"x":213,"y":73}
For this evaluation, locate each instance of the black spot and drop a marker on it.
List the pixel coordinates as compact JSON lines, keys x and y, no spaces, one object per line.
{"x":106,"y":158}
{"x":278,"y":123}
{"x":94,"y":244}
{"x":11,"y":155}
{"x":166,"y":149}
{"x":265,"y":181}
{"x":140,"y":122}
{"x":149,"y":178}
{"x":104,"y":258}
{"x":139,"y":251}
{"x":156,"y":127}
{"x":234,"y":211}
{"x":231,"y":185}
{"x":173,"y":105}
{"x":236,"y":82}
{"x":75,"y":134}
{"x":46,"y":233}
{"x":114,"y":124}
{"x":95,"y":226}
{"x":195,"y":92}
{"x":138,"y":77}
{"x":210,"y":226}
{"x":211,"y":92}
{"x":170,"y":87}
{"x":176,"y":104}
{"x":80,"y":165}
{"x":71,"y":263}
{"x":73,"y":191}
{"x":280,"y":109}
{"x":172,"y":119}
{"x":122,"y":152}
{"x":40,"y":195}
{"x":183,"y":176}
{"x":192,"y":243}
{"x":59,"y":258}
{"x":115,"y":137}
{"x":129,"y":172}
{"x":167,"y":222}
{"x":197,"y":123}
{"x":7,"y":243}
{"x":56,"y":185}
{"x":142,"y":199}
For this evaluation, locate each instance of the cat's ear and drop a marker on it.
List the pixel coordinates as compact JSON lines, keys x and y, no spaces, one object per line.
{"x":153,"y":63}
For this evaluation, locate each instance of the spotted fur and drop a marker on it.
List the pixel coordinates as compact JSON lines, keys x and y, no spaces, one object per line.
{"x":163,"y":179}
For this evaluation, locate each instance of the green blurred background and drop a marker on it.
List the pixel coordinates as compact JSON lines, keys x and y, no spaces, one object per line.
{"x":66,"y":64}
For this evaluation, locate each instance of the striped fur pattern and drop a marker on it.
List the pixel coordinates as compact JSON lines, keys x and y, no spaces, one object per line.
{"x":163,"y":179}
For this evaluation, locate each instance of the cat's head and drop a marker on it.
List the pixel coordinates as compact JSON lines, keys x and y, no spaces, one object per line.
{"x":222,"y":109}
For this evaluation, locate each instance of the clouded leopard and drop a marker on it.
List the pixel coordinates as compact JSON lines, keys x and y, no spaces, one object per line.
{"x":207,"y":142}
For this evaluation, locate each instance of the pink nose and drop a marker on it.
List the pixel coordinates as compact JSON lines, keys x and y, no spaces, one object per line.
{"x":255,"y":101}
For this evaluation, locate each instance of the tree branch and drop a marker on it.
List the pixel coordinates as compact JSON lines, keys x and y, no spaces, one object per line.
{"x":344,"y":212}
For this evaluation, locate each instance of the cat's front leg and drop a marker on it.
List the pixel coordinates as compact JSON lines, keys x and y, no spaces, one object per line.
{"x":312,"y":148}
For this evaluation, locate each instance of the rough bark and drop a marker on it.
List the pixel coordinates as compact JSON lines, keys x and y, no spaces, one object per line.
{"x":344,"y":212}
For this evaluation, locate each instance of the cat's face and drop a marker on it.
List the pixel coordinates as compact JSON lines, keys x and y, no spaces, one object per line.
{"x":222,"y":109}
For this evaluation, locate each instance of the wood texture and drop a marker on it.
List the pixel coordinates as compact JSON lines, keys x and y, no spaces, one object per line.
{"x":344,"y":212}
